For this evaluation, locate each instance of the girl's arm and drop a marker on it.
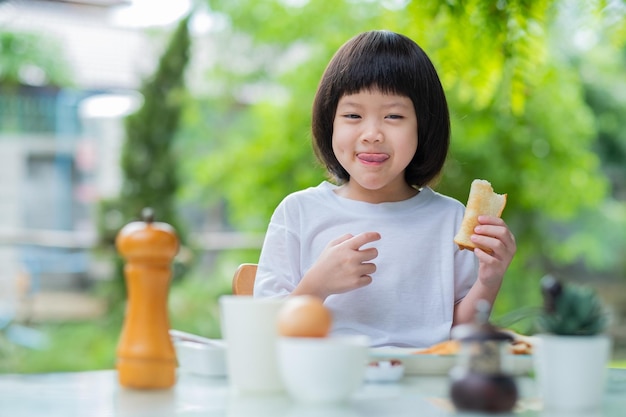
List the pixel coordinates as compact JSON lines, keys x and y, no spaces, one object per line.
{"x":494,"y":234}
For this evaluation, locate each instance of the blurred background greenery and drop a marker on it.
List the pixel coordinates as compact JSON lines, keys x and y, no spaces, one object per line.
{"x":537,"y":97}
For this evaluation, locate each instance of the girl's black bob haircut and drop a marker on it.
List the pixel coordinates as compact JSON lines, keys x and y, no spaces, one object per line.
{"x":393,"y":64}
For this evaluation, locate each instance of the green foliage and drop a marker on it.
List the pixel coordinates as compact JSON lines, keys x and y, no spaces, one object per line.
{"x":571,"y":310}
{"x":71,"y":346}
{"x":149,"y":164}
{"x":26,"y":57}
{"x":481,"y":70}
{"x":601,"y":68}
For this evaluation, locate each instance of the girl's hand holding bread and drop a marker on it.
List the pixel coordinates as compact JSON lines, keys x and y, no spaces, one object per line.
{"x":482,"y":200}
{"x":483,"y":231}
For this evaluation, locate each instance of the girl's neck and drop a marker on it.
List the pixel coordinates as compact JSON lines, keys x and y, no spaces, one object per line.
{"x":353,"y":191}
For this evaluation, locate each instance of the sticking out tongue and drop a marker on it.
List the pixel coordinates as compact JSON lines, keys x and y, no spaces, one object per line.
{"x":373,"y":157}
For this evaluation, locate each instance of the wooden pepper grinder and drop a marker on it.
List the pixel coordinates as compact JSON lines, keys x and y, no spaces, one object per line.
{"x":145,"y":354}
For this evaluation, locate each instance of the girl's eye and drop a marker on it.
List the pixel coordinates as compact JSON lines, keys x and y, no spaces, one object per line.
{"x":395,"y":116}
{"x":352,"y":116}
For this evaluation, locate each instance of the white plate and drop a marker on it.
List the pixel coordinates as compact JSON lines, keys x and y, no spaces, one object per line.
{"x":201,"y":358}
{"x":428,"y":364}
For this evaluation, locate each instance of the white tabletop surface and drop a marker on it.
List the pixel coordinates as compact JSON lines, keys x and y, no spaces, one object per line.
{"x":97,"y":394}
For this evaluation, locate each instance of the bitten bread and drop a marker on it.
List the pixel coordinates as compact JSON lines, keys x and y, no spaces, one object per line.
{"x":482,"y":201}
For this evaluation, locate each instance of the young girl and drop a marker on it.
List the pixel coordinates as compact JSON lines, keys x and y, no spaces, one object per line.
{"x":377,"y":243}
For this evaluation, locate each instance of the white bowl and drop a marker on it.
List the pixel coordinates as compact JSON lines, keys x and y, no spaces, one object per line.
{"x":200,"y":358}
{"x":322,"y":370}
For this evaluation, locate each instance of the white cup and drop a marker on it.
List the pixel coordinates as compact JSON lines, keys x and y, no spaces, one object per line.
{"x":571,"y":372}
{"x":249,"y":327}
{"x":323,"y":370}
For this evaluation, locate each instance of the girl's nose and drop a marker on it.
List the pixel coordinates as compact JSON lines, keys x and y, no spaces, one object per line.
{"x":372,"y":133}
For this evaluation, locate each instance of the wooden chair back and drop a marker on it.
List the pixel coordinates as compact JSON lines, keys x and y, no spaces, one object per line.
{"x":243,"y":280}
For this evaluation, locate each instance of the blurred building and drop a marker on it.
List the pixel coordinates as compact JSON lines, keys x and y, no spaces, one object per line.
{"x":59,"y":146}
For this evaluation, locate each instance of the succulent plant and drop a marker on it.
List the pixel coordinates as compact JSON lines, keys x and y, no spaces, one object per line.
{"x":571,"y":309}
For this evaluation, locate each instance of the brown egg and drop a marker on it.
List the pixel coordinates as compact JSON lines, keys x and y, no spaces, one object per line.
{"x":304,"y":316}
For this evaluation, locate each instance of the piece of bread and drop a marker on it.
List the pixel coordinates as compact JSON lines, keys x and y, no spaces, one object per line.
{"x":447,"y":347}
{"x":482,"y":201}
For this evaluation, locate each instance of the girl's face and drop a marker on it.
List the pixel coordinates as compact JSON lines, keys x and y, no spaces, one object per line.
{"x":374,"y":139}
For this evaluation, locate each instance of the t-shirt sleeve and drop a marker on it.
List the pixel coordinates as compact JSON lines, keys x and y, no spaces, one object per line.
{"x":466,"y":273}
{"x":278,"y":271}
{"x":465,"y":266}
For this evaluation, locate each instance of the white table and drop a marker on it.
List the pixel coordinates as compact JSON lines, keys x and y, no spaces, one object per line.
{"x":97,"y":394}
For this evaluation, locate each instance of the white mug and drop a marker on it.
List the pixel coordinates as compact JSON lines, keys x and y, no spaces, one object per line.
{"x":249,"y":327}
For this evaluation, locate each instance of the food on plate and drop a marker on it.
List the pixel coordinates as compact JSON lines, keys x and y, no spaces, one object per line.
{"x":447,"y":347}
{"x":304,"y":316}
{"x":520,"y":345}
{"x":482,"y":200}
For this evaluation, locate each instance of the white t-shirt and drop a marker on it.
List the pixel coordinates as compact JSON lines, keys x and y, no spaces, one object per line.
{"x":420,"y":272}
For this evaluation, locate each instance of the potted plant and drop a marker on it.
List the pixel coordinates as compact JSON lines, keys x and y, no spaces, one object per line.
{"x":572,"y":349}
